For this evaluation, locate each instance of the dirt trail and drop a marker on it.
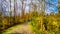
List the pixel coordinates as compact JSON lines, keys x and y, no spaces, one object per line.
{"x":20,"y":29}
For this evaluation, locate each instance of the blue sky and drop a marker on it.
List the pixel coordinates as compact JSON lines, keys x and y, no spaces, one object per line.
{"x":53,"y":6}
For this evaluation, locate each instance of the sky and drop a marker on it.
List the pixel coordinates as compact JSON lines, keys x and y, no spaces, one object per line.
{"x":51,"y":5}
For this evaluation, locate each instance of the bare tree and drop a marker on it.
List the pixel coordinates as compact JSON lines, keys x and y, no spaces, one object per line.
{"x":10,"y":8}
{"x":0,"y":6}
{"x":4,"y":7}
{"x":15,"y":7}
{"x":22,"y":7}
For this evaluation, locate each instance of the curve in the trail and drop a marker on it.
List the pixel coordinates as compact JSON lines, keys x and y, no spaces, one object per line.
{"x":19,"y":29}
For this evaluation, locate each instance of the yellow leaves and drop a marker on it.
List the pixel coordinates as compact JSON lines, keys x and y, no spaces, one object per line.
{"x":22,"y":20}
{"x":39,"y":19}
{"x":4,"y":21}
{"x":55,"y":23}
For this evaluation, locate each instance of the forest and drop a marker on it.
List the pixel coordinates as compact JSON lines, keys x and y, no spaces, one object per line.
{"x":29,"y":16}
